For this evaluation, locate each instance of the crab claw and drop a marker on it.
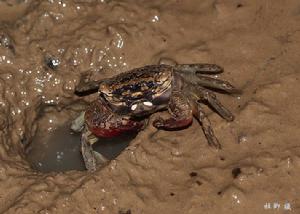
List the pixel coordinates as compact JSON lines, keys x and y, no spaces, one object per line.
{"x":102,"y":122}
{"x":99,"y":121}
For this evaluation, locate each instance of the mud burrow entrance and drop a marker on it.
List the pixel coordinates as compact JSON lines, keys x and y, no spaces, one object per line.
{"x":55,"y":147}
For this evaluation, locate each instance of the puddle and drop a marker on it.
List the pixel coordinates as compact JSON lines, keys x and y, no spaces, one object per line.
{"x":58,"y":148}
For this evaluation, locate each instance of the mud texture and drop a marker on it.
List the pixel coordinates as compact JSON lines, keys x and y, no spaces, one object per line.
{"x":46,"y":46}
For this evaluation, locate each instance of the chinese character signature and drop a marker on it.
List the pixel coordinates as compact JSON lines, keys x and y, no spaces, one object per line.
{"x":277,"y":206}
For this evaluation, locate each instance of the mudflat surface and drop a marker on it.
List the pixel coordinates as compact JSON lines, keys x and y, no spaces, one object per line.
{"x":45,"y":47}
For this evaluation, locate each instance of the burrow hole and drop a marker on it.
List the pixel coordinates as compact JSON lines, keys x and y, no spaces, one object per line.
{"x":56,"y":148}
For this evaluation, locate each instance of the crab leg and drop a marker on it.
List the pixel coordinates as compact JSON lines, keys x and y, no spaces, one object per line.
{"x":87,"y":152}
{"x":215,"y":84}
{"x":87,"y":86}
{"x":210,"y":82}
{"x":206,"y":126}
{"x":77,"y":125}
{"x":90,"y":157}
{"x":198,"y":68}
{"x":212,"y":100}
{"x":199,"y":93}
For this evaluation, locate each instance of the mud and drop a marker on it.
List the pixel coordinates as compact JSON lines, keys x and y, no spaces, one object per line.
{"x":45,"y":48}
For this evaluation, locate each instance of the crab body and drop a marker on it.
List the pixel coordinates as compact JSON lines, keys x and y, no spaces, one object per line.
{"x":139,"y":92}
{"x":126,"y":99}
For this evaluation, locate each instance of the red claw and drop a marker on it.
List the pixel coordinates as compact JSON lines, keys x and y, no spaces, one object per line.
{"x":102,"y":122}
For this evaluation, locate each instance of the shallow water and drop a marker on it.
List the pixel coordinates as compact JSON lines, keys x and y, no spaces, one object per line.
{"x":59,"y":149}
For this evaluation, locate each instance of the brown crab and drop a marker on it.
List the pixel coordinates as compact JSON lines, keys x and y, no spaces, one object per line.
{"x":126,"y":99}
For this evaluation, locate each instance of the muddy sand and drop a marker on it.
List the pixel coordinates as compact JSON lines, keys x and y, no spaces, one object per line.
{"x":45,"y":48}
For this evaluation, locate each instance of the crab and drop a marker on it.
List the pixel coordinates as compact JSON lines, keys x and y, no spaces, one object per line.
{"x":127,"y":99}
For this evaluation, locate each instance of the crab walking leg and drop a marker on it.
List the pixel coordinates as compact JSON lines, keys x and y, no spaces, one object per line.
{"x":77,"y":125}
{"x":213,"y":83}
{"x":201,"y":94}
{"x":198,"y":68}
{"x":88,"y":86}
{"x":90,"y":157}
{"x":181,"y":113}
{"x":87,"y":151}
{"x":100,"y":159}
{"x":206,"y":127}
{"x":212,"y":100}
{"x":216,"y":84}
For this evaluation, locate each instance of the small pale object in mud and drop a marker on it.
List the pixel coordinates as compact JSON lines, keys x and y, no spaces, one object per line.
{"x":126,"y":99}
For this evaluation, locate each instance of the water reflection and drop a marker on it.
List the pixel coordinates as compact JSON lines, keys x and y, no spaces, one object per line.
{"x":59,"y":149}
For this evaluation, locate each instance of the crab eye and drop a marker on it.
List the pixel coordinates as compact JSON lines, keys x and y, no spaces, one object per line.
{"x":163,"y":77}
{"x":133,"y":107}
{"x":104,"y":88}
{"x":147,"y":103}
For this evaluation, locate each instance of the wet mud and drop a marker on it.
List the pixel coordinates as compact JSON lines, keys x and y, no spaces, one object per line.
{"x":46,"y":47}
